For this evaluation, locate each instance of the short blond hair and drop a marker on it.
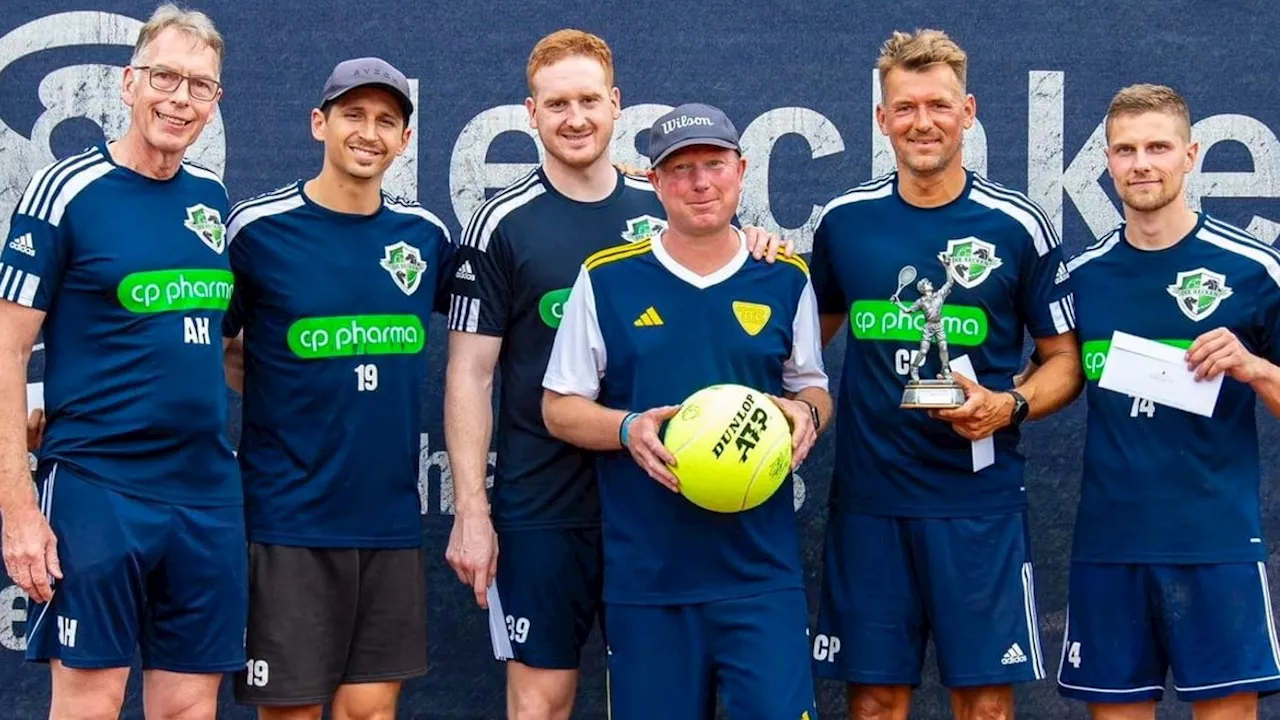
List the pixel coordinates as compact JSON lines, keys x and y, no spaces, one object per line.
{"x":920,"y":50}
{"x":568,"y":43}
{"x":1145,"y":98}
{"x":192,"y":22}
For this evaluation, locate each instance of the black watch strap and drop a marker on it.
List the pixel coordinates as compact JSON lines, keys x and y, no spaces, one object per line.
{"x":813,"y":410}
{"x":1020,"y":408}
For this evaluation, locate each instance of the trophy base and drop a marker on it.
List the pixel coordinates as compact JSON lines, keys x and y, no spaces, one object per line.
{"x":932,"y":395}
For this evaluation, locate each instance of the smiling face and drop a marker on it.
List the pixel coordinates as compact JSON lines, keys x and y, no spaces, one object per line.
{"x":1149,"y":155}
{"x":925,"y":113}
{"x":363,"y":131}
{"x":573,"y":109}
{"x":699,"y":187}
{"x":171,"y":121}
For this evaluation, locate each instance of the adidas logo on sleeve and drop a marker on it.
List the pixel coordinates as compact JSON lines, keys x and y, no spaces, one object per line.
{"x":23,"y":244}
{"x":465,"y":272}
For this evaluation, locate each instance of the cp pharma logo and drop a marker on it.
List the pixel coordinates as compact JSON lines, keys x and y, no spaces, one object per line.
{"x":88,"y":91}
{"x":551,"y":307}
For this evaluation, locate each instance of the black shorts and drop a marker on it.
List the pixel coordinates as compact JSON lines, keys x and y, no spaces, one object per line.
{"x":320,"y":618}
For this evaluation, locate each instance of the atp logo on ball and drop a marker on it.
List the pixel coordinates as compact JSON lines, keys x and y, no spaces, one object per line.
{"x":744,"y":430}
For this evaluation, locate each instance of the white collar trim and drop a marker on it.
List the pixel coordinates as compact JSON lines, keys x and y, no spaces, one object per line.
{"x":702,"y":282}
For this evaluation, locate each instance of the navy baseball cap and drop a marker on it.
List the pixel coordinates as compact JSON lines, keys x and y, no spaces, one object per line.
{"x":367,"y":72}
{"x":690,"y":124}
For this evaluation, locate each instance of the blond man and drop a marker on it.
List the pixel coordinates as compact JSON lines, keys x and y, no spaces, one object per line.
{"x":928,"y":533}
{"x":1168,"y":566}
{"x":136,"y":542}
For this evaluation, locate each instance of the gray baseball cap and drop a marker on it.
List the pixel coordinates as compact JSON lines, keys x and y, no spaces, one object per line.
{"x":690,"y":124}
{"x":365,"y":72}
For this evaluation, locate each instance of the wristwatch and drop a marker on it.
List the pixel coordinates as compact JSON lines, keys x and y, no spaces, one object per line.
{"x":1020,"y":408}
{"x":813,"y":410}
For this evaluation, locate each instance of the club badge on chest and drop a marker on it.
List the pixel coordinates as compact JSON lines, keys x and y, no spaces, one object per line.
{"x":929,"y":393}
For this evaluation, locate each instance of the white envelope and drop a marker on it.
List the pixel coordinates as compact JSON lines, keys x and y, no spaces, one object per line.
{"x":35,"y":397}
{"x":1157,"y":372}
{"x":983,"y":451}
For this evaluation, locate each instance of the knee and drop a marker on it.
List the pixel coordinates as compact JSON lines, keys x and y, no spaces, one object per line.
{"x":535,"y":706}
{"x":88,"y":708}
{"x":381,"y":712}
{"x":184,"y":708}
{"x":988,"y":707}
{"x":878,"y":703}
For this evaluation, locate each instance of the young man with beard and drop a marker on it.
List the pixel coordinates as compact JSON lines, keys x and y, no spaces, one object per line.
{"x":137,"y":542}
{"x":1168,"y":565}
{"x":517,"y":261}
{"x":925,"y":537}
{"x":335,"y":286}
{"x":696,"y":602}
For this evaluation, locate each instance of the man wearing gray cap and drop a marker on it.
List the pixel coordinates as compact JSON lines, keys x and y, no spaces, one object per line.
{"x":335,"y":285}
{"x":696,"y":601}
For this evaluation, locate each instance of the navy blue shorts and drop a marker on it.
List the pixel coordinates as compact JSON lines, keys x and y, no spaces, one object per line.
{"x":168,"y":580}
{"x":668,"y":661}
{"x":1129,"y":624}
{"x":889,"y":583}
{"x":547,"y":595}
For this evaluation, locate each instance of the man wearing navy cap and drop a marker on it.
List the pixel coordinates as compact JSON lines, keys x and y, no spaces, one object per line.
{"x":335,"y":286}
{"x":696,"y":602}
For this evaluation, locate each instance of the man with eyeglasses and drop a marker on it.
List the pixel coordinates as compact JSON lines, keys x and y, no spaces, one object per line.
{"x":331,"y":362}
{"x":136,"y":541}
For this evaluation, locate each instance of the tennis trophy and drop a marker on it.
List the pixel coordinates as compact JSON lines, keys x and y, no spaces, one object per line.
{"x":942,"y":392}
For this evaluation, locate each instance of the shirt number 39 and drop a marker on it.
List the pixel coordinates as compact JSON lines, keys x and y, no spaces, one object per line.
{"x":366,"y":377}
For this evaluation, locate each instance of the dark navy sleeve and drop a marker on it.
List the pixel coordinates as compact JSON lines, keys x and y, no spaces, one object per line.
{"x":34,"y":255}
{"x":1267,"y":330}
{"x":238,"y":250}
{"x":445,"y":270}
{"x":1045,"y":300}
{"x":480,"y":290}
{"x":826,"y":286}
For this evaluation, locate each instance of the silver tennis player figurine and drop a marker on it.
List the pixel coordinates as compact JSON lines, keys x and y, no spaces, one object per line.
{"x":943,"y":392}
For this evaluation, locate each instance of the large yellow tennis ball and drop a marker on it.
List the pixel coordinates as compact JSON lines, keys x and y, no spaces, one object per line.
{"x":732,"y":447}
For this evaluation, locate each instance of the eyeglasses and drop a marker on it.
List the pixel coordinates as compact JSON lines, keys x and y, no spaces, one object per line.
{"x":166,"y":80}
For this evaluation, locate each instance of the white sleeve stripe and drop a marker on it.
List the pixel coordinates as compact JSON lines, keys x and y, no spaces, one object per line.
{"x":29,"y":286}
{"x":1071,"y":307}
{"x":4,"y":281}
{"x":637,"y":183}
{"x":1264,"y":258}
{"x":1236,"y":234}
{"x":1018,"y":214}
{"x":37,"y":185}
{"x":473,"y":315}
{"x":1060,"y":322}
{"x":257,"y":212}
{"x":1096,"y":250}
{"x":482,"y":213}
{"x":1026,"y":203}
{"x":481,"y":240}
{"x":422,"y":213}
{"x":856,"y":195}
{"x":56,"y":184}
{"x":262,"y":199}
{"x":202,"y":172}
{"x":73,"y":187}
{"x":11,"y":289}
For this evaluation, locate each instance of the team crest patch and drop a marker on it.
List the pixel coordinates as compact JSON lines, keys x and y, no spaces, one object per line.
{"x":972,"y":260}
{"x":645,"y":227}
{"x":405,"y":264}
{"x":751,"y":316}
{"x":206,"y":223}
{"x":1199,"y":292}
